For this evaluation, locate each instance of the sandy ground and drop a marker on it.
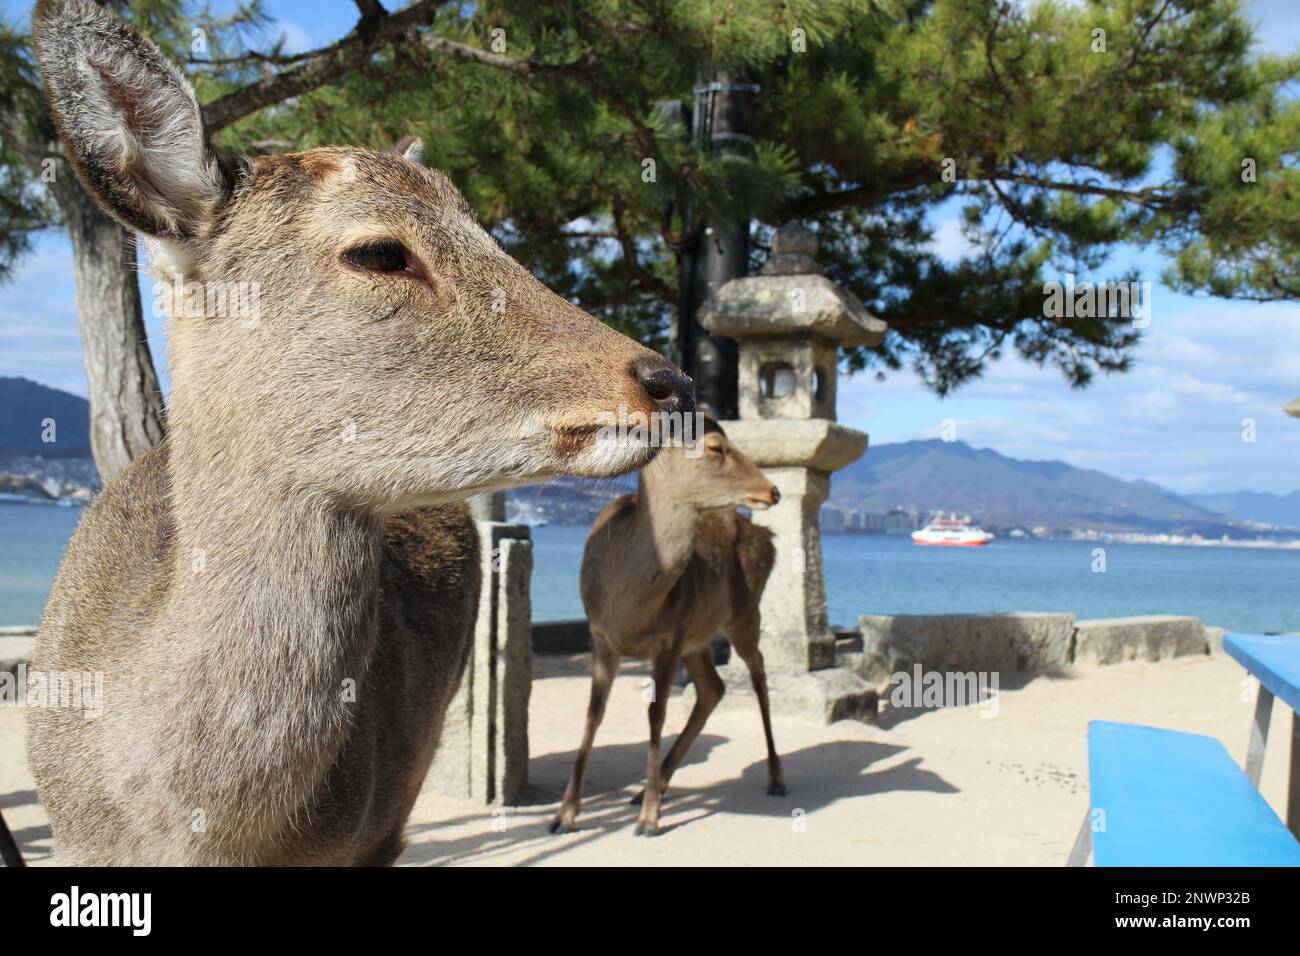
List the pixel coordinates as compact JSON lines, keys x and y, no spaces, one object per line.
{"x":936,"y":787}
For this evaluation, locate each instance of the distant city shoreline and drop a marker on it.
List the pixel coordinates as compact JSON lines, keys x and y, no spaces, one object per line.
{"x":1118,"y":537}
{"x":883,"y":493}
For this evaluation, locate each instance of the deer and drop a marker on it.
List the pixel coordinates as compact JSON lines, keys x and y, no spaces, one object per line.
{"x":664,"y":571}
{"x":281,"y":595}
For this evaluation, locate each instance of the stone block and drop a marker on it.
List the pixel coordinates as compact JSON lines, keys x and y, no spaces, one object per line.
{"x":1214,"y":638}
{"x":1017,"y":641}
{"x":15,"y":651}
{"x":1113,"y":640}
{"x":562,"y":637}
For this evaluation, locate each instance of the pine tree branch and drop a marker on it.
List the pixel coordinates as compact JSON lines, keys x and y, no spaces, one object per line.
{"x":864,"y":194}
{"x":868,"y":194}
{"x":1154,"y":197}
{"x":628,"y":243}
{"x":370,"y":9}
{"x":368,"y":37}
{"x":473,"y":54}
{"x":250,"y":57}
{"x":578,"y":71}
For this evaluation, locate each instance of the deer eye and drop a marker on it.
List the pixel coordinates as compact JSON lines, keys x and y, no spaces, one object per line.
{"x":379,"y":255}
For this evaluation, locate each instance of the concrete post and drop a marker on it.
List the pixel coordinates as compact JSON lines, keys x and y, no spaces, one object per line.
{"x":483,"y":754}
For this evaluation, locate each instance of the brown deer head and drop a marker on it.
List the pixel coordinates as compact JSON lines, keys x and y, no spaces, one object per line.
{"x":339,"y":320}
{"x":709,"y":472}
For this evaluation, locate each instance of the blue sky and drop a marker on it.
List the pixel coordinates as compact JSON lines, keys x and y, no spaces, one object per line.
{"x":1203,"y":367}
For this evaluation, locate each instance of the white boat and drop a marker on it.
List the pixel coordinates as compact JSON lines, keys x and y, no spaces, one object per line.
{"x":952,"y":532}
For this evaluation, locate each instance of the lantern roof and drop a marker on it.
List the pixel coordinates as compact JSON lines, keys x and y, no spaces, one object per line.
{"x":789,"y":305}
{"x":792,"y":297}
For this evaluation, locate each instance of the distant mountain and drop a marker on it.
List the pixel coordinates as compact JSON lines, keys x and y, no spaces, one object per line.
{"x":566,"y":500}
{"x":24,"y":408}
{"x":1004,"y":492}
{"x":1257,"y":506}
{"x":998,"y":491}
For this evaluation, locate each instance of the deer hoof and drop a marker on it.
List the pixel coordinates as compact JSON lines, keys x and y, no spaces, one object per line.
{"x":559,"y":825}
{"x":776,"y":789}
{"x":637,"y":800}
{"x":646,"y":828}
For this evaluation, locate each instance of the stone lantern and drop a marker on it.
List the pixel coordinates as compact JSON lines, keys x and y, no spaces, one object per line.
{"x":789,"y":324}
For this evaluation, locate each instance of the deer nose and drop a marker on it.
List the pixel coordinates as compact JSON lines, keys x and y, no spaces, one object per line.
{"x":668,"y":388}
{"x":776,"y":496}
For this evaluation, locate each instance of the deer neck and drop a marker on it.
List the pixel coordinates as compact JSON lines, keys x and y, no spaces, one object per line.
{"x":273,"y":610}
{"x":281,"y":576}
{"x":666,"y":525}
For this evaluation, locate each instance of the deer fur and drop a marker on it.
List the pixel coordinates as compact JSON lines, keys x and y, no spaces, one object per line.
{"x":281,"y":595}
{"x":664,"y":571}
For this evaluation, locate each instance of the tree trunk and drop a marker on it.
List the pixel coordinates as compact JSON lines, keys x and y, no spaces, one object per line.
{"x":126,"y":409}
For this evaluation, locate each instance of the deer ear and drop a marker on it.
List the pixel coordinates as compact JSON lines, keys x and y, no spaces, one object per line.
{"x":129,"y":121}
{"x":411,"y":148}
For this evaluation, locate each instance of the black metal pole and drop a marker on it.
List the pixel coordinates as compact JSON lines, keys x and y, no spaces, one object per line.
{"x":9,"y":852}
{"x":723,"y":121}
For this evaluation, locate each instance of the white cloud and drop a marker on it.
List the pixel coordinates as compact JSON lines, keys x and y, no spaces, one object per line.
{"x":39,"y":335}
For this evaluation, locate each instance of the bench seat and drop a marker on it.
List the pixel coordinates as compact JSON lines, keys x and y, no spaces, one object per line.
{"x":1175,"y":799}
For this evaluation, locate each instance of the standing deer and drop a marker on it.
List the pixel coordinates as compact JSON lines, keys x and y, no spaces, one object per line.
{"x":281,"y":595}
{"x":664,"y":571}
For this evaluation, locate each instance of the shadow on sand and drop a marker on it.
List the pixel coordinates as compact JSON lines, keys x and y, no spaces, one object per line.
{"x":815,"y":777}
{"x":27,"y":837}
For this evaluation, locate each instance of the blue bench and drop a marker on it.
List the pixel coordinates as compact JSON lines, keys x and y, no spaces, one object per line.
{"x":1165,"y":798}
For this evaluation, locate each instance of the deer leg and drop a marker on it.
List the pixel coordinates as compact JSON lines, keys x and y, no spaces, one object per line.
{"x":708,"y":692}
{"x":745,"y":641}
{"x":665,"y":665}
{"x":604,"y":665}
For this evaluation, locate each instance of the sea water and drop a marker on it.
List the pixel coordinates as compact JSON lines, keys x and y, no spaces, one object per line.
{"x":1245,"y":589}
